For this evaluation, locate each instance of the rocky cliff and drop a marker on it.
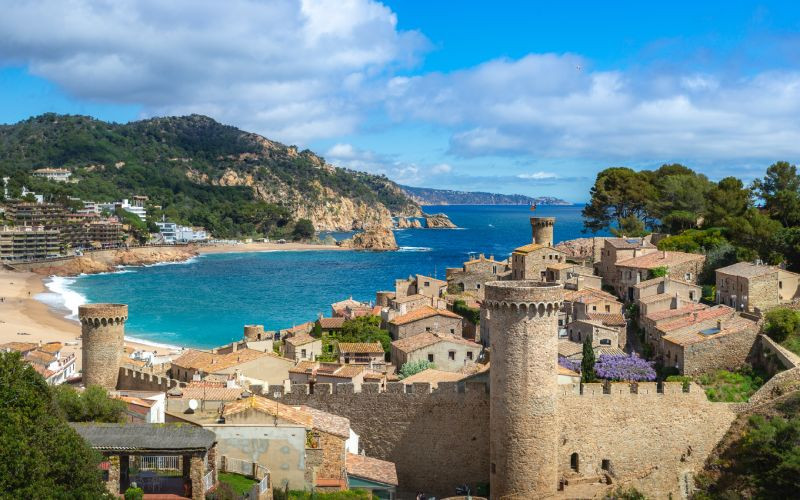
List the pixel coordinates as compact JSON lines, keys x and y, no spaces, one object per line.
{"x":439,"y":221}
{"x":376,"y":238}
{"x":109,"y":260}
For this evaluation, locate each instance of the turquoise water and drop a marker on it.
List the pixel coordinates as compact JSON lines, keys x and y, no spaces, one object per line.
{"x":205,"y":302}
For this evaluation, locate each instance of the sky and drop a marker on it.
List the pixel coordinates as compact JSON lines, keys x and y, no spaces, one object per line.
{"x":511,"y":97}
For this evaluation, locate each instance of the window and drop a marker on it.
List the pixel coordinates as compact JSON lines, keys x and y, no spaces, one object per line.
{"x":605,"y":464}
{"x":691,"y":295}
{"x":594,"y":308}
{"x":478,"y":286}
{"x":430,"y":358}
{"x":494,"y":269}
{"x":303,"y":353}
{"x":451,"y":355}
{"x":605,"y":341}
{"x":453,"y":331}
{"x":780,"y":284}
{"x":687,"y":276}
{"x":427,"y":328}
{"x":469,"y":354}
{"x":573,"y":462}
{"x":608,"y":308}
{"x":427,"y":283}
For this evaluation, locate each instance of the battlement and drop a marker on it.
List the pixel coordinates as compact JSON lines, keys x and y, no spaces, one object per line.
{"x":533,"y":297}
{"x":543,"y":221}
{"x":104,"y":314}
{"x":324,"y":390}
{"x":631,"y":389}
{"x":135,"y":380}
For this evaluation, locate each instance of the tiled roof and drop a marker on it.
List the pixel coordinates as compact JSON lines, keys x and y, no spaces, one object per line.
{"x":561,"y":265}
{"x":669,"y":313}
{"x":532,"y":247}
{"x":19,"y":346}
{"x":656,"y":298}
{"x":422,"y":313}
{"x":210,"y":392}
{"x":574,"y":295}
{"x":301,"y":339}
{"x":629,"y":243}
{"x":305,"y":366}
{"x":52,"y":347}
{"x":426,"y":339}
{"x":733,"y":325}
{"x":747,"y":269}
{"x":567,"y":372}
{"x":269,"y":407}
{"x":329,"y":323}
{"x":346,"y":371}
{"x":659,"y":259}
{"x":433,"y":377}
{"x":376,"y":310}
{"x":656,"y":281}
{"x":40,"y":357}
{"x":410,"y":298}
{"x":346,"y":302}
{"x":696,"y":317}
{"x":608,"y":319}
{"x":211,"y":363}
{"x":372,"y":469}
{"x":301,"y":328}
{"x":361,"y":347}
{"x":574,"y":350}
{"x":145,"y":437}
{"x":137,"y":401}
{"x":328,"y":422}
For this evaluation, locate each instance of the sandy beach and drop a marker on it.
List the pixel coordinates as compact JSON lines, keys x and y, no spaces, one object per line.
{"x":265,"y":247}
{"x":25,"y":319}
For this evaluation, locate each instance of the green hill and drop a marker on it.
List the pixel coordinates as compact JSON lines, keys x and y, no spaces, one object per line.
{"x":199,"y":171}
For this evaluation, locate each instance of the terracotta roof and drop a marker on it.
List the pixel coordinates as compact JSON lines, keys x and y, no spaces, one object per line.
{"x":301,"y":328}
{"x":696,"y":317}
{"x":748,"y":269}
{"x":433,"y":377}
{"x":373,"y":376}
{"x":376,"y":310}
{"x":561,"y":265}
{"x":330,"y":323}
{"x":346,"y":302}
{"x":40,"y":357}
{"x":22,"y":347}
{"x":608,"y":319}
{"x":372,"y":469}
{"x":325,"y":482}
{"x":659,"y":259}
{"x":656,"y":281}
{"x":532,"y":247}
{"x":629,"y":243}
{"x":567,"y":372}
{"x":328,"y":422}
{"x":301,"y":339}
{"x":52,"y":347}
{"x":574,"y":295}
{"x":305,"y":366}
{"x":211,"y":363}
{"x":426,"y":339}
{"x":422,"y":313}
{"x":656,"y":298}
{"x":574,"y":350}
{"x":669,"y":313}
{"x":137,"y":401}
{"x":410,"y":298}
{"x":216,"y":392}
{"x":361,"y":347}
{"x":346,"y":371}
{"x":269,"y":407}
{"x":733,"y":325}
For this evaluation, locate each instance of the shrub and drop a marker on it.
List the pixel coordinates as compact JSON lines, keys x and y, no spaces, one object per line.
{"x":588,"y":363}
{"x":680,"y":378}
{"x":134,"y":494}
{"x":731,"y":387}
{"x":570,"y":364}
{"x":658,"y":272}
{"x":622,"y":367}
{"x":414,"y":367}
{"x":629,"y":493}
{"x":472,"y":314}
{"x":780,"y":323}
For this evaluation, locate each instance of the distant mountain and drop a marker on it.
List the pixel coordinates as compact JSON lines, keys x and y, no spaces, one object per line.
{"x":428,"y":196}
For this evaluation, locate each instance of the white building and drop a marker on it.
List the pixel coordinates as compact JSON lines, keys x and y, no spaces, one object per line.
{"x":174,"y":233}
{"x":168,"y":231}
{"x":134,"y":206}
{"x":54,"y":174}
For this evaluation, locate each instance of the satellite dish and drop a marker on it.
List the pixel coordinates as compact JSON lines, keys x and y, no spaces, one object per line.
{"x":193,"y":404}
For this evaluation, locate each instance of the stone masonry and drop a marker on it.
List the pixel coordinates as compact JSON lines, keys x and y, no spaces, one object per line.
{"x":103,"y":331}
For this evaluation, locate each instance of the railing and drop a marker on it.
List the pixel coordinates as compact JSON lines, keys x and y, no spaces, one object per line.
{"x":153,"y":462}
{"x":263,"y":485}
{"x":238,"y":466}
{"x":208,"y":480}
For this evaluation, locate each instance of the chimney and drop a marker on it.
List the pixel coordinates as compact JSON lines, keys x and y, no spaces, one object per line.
{"x":235,"y":346}
{"x":719,"y":324}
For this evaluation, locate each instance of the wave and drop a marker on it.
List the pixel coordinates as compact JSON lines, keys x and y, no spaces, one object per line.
{"x":190,"y":260}
{"x":62,"y":297}
{"x":152,"y":343}
{"x":414,"y":249}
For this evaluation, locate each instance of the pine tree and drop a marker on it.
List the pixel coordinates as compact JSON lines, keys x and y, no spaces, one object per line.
{"x":587,"y":363}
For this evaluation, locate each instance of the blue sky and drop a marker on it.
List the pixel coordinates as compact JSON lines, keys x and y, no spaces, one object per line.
{"x":513,"y":97}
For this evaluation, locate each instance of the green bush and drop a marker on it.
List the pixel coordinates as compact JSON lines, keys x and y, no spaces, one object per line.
{"x":781,"y":323}
{"x":414,"y":367}
{"x":473,"y":315}
{"x":134,"y":494}
{"x":658,"y":272}
{"x":731,"y":387}
{"x":680,"y":378}
{"x":621,"y":493}
{"x":91,"y":405}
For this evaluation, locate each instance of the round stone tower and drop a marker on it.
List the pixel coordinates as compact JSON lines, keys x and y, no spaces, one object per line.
{"x":253,"y":333}
{"x":103,"y":330}
{"x":542,"y":230}
{"x":523,"y":421}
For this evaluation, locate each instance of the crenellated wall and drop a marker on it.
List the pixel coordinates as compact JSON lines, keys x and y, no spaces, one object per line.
{"x":135,"y":380}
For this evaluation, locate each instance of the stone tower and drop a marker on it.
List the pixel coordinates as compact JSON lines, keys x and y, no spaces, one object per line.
{"x":542,"y":229}
{"x":253,"y":333}
{"x":523,"y":422}
{"x":103,"y":330}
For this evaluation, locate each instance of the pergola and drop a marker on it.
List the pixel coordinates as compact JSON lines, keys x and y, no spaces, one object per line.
{"x":119,"y":442}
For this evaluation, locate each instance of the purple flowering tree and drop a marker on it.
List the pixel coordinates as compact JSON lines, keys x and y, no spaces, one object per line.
{"x":570,"y":364}
{"x":627,"y":368}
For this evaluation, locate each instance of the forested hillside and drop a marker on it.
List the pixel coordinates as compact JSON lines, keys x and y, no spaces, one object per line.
{"x":428,"y":196}
{"x":199,"y":171}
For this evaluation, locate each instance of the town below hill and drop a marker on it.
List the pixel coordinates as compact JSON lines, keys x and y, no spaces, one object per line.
{"x":428,"y":196}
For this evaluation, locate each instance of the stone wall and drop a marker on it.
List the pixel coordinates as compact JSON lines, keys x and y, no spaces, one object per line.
{"x":134,"y":380}
{"x":435,"y":324}
{"x":723,"y":352}
{"x":333,"y":456}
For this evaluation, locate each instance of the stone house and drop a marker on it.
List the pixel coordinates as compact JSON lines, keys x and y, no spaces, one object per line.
{"x":616,"y":250}
{"x":425,"y":319}
{"x":338,"y":309}
{"x":566,"y":272}
{"x":46,"y":359}
{"x":446,"y":352}
{"x":312,"y":372}
{"x":530,"y":262}
{"x":688,"y":321}
{"x":302,"y":347}
{"x":679,"y":265}
{"x":331,"y":325}
{"x":664,"y":293}
{"x":579,"y":303}
{"x":751,"y":287}
{"x":243,"y":366}
{"x":430,"y":287}
{"x":474,"y":273}
{"x":370,"y":354}
{"x":602,"y":335}
{"x":297,"y":329}
{"x":725,"y":345}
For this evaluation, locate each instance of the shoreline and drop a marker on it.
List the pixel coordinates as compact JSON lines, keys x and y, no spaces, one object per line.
{"x":265,"y":247}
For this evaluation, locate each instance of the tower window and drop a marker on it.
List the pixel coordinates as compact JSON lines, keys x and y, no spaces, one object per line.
{"x":573,"y":462}
{"x":430,"y":358}
{"x":605,"y":464}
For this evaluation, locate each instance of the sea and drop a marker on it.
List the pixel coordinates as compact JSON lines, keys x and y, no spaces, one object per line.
{"x":204,"y":302}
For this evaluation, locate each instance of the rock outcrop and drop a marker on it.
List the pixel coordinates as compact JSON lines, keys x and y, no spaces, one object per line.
{"x":408,"y":223}
{"x":376,"y":238}
{"x":108,"y":260}
{"x":439,"y":221}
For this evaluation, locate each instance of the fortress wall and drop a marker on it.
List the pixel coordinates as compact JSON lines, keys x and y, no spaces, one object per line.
{"x":135,"y":380}
{"x":652,"y":440}
{"x":438,"y":439}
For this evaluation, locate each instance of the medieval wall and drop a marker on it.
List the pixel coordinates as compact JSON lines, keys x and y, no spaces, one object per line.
{"x":134,"y":380}
{"x":724,"y":352}
{"x":649,"y":439}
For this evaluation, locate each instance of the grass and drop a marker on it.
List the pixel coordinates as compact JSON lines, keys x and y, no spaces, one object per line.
{"x":333,"y":495}
{"x":732,"y":387}
{"x":792,"y":343}
{"x":240,"y":484}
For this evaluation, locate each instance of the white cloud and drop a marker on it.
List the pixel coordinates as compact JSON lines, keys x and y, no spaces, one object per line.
{"x":538,"y":176}
{"x":348,"y":156}
{"x":292,"y":70}
{"x":544,"y":106}
{"x":442,"y":168}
